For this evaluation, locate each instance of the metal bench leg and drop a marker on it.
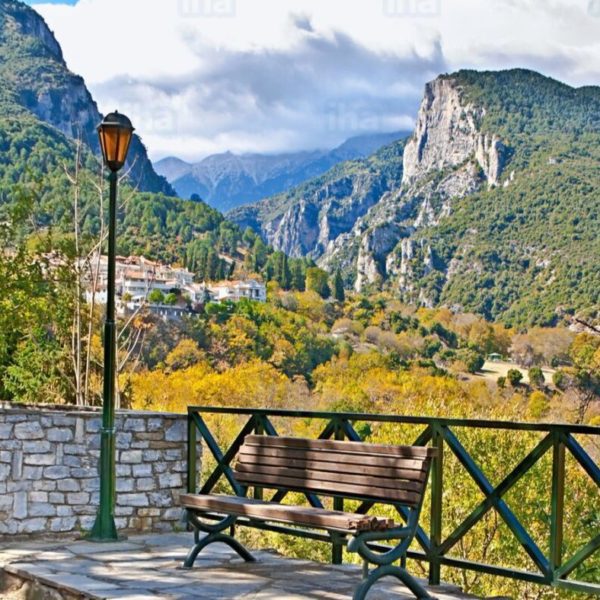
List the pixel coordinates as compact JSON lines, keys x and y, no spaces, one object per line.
{"x":214,"y":534}
{"x":360,"y":593}
{"x":211,"y":538}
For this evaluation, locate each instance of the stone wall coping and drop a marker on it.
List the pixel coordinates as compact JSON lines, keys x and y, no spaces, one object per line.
{"x":78,"y":411}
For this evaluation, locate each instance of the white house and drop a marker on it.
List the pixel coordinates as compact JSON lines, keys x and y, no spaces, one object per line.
{"x":236,"y":290}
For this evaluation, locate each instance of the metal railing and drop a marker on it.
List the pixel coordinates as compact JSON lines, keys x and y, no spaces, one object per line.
{"x":551,"y":567}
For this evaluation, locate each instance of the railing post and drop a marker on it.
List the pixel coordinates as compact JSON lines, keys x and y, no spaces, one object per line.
{"x":437,"y":485}
{"x":192,"y":457}
{"x":259,"y":430}
{"x":558,"y":503}
{"x":338,"y":504}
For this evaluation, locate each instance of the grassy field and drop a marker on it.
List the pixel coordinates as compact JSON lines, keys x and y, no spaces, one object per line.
{"x":492,"y":370}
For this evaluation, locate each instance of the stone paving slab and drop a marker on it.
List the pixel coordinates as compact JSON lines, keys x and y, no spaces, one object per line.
{"x":149,"y":566}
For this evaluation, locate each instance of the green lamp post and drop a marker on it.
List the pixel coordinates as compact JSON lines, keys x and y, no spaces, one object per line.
{"x":115,"y":134}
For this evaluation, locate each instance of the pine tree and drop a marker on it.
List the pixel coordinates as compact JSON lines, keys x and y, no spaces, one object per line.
{"x":338,"y":287}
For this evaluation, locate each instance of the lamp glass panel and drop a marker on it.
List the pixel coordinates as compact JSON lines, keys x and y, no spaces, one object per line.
{"x":123,"y":145}
{"x":109,"y":138}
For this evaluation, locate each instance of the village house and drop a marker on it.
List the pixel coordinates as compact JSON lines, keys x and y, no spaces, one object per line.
{"x":137,"y":277}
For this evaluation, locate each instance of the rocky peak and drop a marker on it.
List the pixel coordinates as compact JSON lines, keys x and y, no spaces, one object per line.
{"x":447,"y":135}
{"x":35,"y":71}
{"x":30,"y":23}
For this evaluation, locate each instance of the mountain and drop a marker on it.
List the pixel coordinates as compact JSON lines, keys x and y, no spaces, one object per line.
{"x":492,"y":205}
{"x":44,"y":109}
{"x":227,"y":180}
{"x":36,"y":81}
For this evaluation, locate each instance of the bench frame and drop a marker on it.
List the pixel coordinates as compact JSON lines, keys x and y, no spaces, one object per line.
{"x":364,"y":543}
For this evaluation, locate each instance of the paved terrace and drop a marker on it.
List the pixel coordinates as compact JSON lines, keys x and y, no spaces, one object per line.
{"x":148,"y":566}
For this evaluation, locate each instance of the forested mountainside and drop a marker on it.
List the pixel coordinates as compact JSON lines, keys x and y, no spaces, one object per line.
{"x":226,"y":181}
{"x":491,"y":206}
{"x":50,"y":166}
{"x":35,"y":81}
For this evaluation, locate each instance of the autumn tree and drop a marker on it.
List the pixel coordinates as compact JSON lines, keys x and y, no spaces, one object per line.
{"x":317,"y":281}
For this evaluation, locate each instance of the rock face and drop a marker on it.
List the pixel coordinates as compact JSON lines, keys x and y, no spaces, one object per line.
{"x":42,"y":84}
{"x":446,"y":135}
{"x":365,"y":221}
{"x":307,"y":221}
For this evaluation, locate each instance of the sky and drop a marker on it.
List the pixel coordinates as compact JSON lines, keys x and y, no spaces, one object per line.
{"x":198,"y":77}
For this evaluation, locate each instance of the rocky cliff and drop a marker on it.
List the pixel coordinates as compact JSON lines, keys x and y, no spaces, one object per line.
{"x":307,"y":220}
{"x":491,"y":205}
{"x":34,"y":71}
{"x":355,"y":217}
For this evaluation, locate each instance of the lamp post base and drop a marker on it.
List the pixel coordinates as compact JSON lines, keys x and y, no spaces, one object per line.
{"x":104,"y":530}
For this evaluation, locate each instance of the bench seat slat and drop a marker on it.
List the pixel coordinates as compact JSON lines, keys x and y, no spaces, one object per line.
{"x":337,"y":488}
{"x":332,"y":476}
{"x":247,"y":461}
{"x":333,"y":457}
{"x":418,"y":452}
{"x":270,"y":511}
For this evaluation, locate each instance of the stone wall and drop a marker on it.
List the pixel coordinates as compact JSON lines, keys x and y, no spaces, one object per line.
{"x":49,"y":470}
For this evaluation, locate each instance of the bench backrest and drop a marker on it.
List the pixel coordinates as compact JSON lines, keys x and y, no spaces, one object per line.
{"x":335,"y":468}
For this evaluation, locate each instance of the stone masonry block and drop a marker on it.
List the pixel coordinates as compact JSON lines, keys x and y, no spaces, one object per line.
{"x":60,"y":435}
{"x":57,"y":498}
{"x":93,"y":425}
{"x":123,"y":441}
{"x":33,"y":525}
{"x":151,"y":455}
{"x":41,"y":509}
{"x":177,"y":432}
{"x":57,"y":472}
{"x":78,"y":498}
{"x":33,"y":472}
{"x":159,"y":467}
{"x":62,"y":524}
{"x":64,"y":511}
{"x":124,"y":485}
{"x":20,"y":505}
{"x":172,"y":514}
{"x":123,"y":470}
{"x":38,"y":496}
{"x":6,"y":431}
{"x":75,"y":449}
{"x":29,"y":430}
{"x":38,"y":447}
{"x":170,"y":480}
{"x":132,"y":500}
{"x":123,"y":511}
{"x":69,"y":485}
{"x":154,"y":425}
{"x":134,"y":425}
{"x":131,"y":456}
{"x":39,"y":459}
{"x":173,"y":454}
{"x":146,"y":484}
{"x":90,"y":485}
{"x":142,"y":470}
{"x":140,"y":444}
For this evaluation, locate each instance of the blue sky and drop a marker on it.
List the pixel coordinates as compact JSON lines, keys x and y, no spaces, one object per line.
{"x":204,"y":76}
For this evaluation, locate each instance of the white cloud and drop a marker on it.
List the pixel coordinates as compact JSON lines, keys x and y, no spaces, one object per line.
{"x":201,"y":76}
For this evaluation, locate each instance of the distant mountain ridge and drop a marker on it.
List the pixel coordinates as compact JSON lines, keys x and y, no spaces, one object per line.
{"x":492,"y":205}
{"x":35,"y":78}
{"x":226,"y":181}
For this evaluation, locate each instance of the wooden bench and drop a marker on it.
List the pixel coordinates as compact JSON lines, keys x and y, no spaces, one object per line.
{"x":374,"y":473}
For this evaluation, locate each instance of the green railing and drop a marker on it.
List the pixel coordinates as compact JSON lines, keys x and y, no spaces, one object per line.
{"x":551,"y":567}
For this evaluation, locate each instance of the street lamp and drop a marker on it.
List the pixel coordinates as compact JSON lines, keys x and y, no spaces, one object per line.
{"x":115,"y":133}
